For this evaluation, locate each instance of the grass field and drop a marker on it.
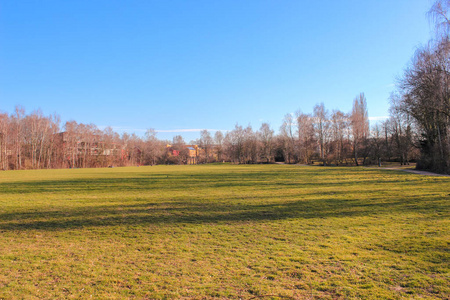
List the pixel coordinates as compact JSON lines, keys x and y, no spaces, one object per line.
{"x":224,"y":231}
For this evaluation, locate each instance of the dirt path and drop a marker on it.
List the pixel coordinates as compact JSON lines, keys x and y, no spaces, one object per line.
{"x":417,"y":172}
{"x":426,"y":173}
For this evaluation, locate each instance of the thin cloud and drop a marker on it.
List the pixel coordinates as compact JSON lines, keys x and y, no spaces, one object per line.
{"x":123,"y":129}
{"x":181,"y":130}
{"x":184,"y":130}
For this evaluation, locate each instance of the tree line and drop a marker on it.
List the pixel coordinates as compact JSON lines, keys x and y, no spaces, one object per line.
{"x":418,"y":129}
{"x":421,"y":102}
{"x":34,"y":141}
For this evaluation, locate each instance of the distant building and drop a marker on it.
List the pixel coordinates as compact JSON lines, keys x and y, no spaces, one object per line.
{"x":75,"y":149}
{"x":191,"y":153}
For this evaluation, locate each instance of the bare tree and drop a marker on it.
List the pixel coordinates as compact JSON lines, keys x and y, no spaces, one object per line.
{"x":401,"y":130}
{"x":54,"y":157}
{"x":206,"y":143}
{"x":305,"y":136}
{"x":386,"y":128}
{"x":425,"y":96}
{"x":4,"y":130}
{"x":152,"y":149}
{"x":322,"y":126}
{"x":234,"y":144}
{"x":180,"y":151}
{"x":287,"y":132}
{"x":17,"y":129}
{"x":376,"y":144}
{"x":250,"y":145}
{"x":219,"y":140}
{"x":339,"y":126}
{"x":266,"y":136}
{"x":439,"y":15}
{"x":360,"y":125}
{"x":133,"y":147}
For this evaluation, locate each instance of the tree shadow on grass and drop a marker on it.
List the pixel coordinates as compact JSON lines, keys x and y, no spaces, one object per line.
{"x":199,"y":212}
{"x":311,"y":200}
{"x":181,"y":182}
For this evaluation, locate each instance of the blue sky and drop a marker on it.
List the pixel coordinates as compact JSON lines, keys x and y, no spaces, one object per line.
{"x":179,"y":66}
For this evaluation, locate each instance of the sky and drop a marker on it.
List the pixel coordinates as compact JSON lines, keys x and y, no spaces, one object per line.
{"x":181,"y":66}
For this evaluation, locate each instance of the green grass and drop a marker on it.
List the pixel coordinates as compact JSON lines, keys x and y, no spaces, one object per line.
{"x":224,"y":231}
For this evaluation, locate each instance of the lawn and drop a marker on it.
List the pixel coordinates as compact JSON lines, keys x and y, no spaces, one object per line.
{"x":224,"y":231}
